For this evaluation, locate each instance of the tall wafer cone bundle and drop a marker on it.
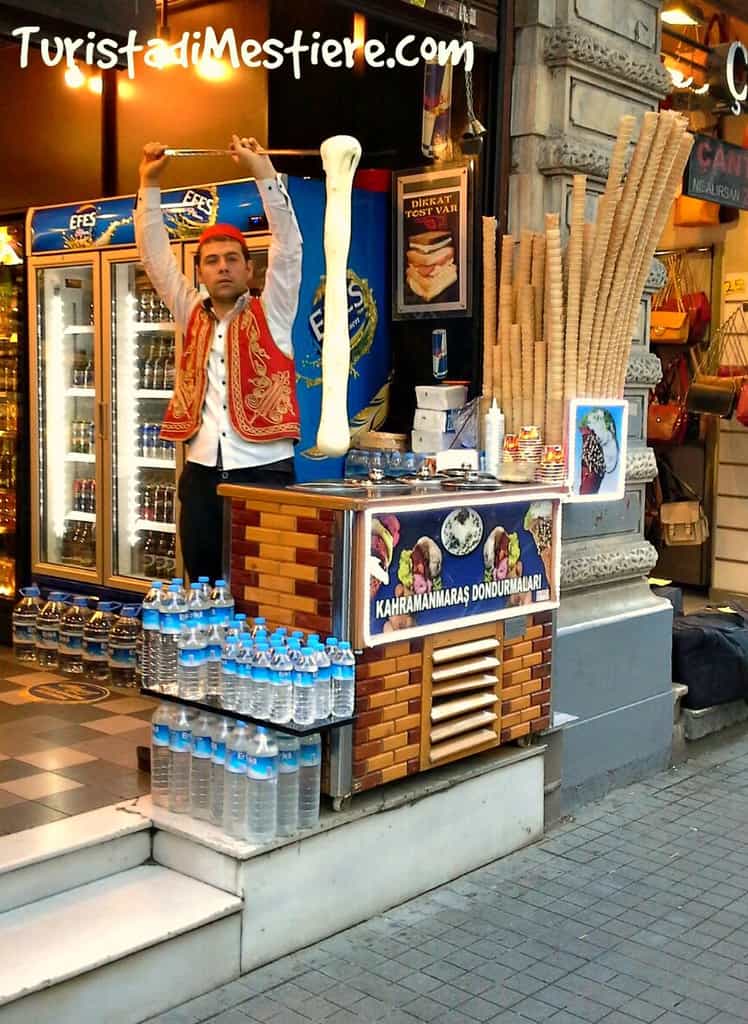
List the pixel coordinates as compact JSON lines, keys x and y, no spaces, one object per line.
{"x":565,"y":320}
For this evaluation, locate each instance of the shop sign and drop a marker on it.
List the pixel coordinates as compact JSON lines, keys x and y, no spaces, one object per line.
{"x":447,"y":566}
{"x":431,"y":269}
{"x":718,"y":172}
{"x":738,"y":53}
{"x":598,"y":439}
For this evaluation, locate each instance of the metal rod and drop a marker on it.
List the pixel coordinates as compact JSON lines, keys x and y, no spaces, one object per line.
{"x":264,"y":152}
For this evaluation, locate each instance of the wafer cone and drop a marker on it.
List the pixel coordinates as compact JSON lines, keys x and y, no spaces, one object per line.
{"x":490,"y":321}
{"x":524,"y":262}
{"x":606,"y":209}
{"x":527,"y":326}
{"x":658,"y":224}
{"x":554,"y":311}
{"x":537,"y":278}
{"x":574,"y":292}
{"x":516,"y":362}
{"x":603,"y":325}
{"x":662,"y":153}
{"x":538,"y":395}
{"x":603,"y":293}
{"x":618,"y":158}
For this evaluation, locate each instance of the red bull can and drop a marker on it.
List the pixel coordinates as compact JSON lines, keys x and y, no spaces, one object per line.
{"x":439,"y":352}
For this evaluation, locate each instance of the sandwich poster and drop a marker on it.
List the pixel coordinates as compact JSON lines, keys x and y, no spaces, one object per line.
{"x":431,"y":272}
{"x":435,"y":569}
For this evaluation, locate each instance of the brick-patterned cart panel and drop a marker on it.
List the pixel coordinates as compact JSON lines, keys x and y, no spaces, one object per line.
{"x":387,"y":730}
{"x":281,"y":563}
{"x":526,"y":689}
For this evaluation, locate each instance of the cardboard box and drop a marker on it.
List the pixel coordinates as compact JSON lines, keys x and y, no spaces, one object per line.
{"x":429,"y":441}
{"x":441,"y":396}
{"x":443,"y":420}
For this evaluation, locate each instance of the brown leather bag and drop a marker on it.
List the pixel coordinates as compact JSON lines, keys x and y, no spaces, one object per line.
{"x":667,"y":419}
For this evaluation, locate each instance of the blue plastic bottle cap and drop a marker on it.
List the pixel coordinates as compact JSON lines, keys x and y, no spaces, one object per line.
{"x":220,"y":583}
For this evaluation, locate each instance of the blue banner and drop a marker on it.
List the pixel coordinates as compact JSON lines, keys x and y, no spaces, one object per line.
{"x":441,"y":568}
{"x":368,"y":319}
{"x":108,"y":222}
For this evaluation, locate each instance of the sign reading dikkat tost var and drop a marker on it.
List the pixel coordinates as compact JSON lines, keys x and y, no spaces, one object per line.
{"x":443,"y":566}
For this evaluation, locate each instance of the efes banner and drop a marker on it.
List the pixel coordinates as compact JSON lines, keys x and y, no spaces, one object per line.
{"x":368,"y":319}
{"x":435,"y":569}
{"x":108,"y":222}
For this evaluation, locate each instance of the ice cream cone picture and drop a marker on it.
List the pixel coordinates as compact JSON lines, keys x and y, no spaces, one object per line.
{"x":539,"y":524}
{"x":598,"y":439}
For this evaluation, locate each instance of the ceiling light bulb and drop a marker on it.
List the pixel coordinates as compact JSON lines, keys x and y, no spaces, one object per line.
{"x":74,"y":77}
{"x":213,"y":70}
{"x":682,"y":13}
{"x":95,"y":84}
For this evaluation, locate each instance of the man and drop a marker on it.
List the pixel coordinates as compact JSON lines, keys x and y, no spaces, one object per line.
{"x":234,"y":401}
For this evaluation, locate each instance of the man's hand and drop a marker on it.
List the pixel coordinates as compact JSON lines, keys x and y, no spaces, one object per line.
{"x":152,"y":163}
{"x":249,"y":155}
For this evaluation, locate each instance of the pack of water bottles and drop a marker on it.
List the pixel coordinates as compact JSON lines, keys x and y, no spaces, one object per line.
{"x":65,"y":633}
{"x":253,"y":783}
{"x":195,"y":647}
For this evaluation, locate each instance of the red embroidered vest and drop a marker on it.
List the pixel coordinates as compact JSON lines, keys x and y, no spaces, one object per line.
{"x":260,"y":380}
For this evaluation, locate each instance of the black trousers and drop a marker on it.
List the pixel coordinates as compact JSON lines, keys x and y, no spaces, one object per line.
{"x":201,"y":510}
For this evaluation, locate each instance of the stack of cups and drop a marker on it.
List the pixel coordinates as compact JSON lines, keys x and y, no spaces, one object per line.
{"x":530,"y":445}
{"x":551,"y":469}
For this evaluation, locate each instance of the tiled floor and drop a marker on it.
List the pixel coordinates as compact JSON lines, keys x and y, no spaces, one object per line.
{"x":59,"y":759}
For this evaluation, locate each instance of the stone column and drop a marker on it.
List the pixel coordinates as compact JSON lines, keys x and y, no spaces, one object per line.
{"x":581,"y":65}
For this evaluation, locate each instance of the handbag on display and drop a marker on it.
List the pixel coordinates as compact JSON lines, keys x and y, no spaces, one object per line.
{"x":713,"y":396}
{"x":695,"y":213}
{"x":683,"y":523}
{"x":667,"y":417}
{"x":682,"y":520}
{"x":669,"y":328}
{"x":741,"y":410}
{"x":681,"y":295}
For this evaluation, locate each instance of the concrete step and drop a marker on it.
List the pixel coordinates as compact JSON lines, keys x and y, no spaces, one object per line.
{"x":120,"y":949}
{"x":40,"y":862}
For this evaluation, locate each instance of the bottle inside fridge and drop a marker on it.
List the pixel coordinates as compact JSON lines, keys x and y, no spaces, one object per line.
{"x":66,"y":389}
{"x":143,"y":465}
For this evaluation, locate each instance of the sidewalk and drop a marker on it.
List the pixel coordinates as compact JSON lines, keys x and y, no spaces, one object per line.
{"x":634,"y":911}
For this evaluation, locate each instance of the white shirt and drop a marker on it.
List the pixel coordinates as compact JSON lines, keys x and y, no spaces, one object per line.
{"x":279,"y":298}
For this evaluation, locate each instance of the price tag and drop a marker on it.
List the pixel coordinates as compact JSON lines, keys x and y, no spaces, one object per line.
{"x":736,"y":287}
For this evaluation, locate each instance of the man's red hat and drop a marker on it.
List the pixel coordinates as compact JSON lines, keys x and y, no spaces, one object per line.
{"x":223,"y":231}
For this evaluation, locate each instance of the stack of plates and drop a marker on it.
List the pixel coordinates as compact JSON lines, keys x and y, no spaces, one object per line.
{"x":530,"y":445}
{"x":551,"y":469}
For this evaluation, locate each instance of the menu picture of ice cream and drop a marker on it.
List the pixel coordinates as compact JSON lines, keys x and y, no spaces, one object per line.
{"x":432,"y":569}
{"x":430,"y":262}
{"x":598,"y":433}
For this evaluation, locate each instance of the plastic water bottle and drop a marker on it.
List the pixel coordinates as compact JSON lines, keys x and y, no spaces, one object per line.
{"x":221,"y":604}
{"x":47,"y":630}
{"x":123,"y":645}
{"x":170,"y":619}
{"x":180,"y":761}
{"x":343,"y":681}
{"x":305,"y":688}
{"x":213,"y":652}
{"x":281,"y":687}
{"x":96,"y":640}
{"x":235,"y":783}
{"x":260,"y":625}
{"x":262,"y":787}
{"x":310,"y":773}
{"x":324,"y":680}
{"x":243,"y":662}
{"x":24,"y":624}
{"x":160,"y":755}
{"x":229,"y":670}
{"x":70,"y":637}
{"x":288,"y":783}
{"x":202,"y":754}
{"x":178,"y":581}
{"x":151,"y":644}
{"x":261,"y":681}
{"x":196,"y":605}
{"x":221,"y":734}
{"x":192,"y":666}
{"x":205,"y":589}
